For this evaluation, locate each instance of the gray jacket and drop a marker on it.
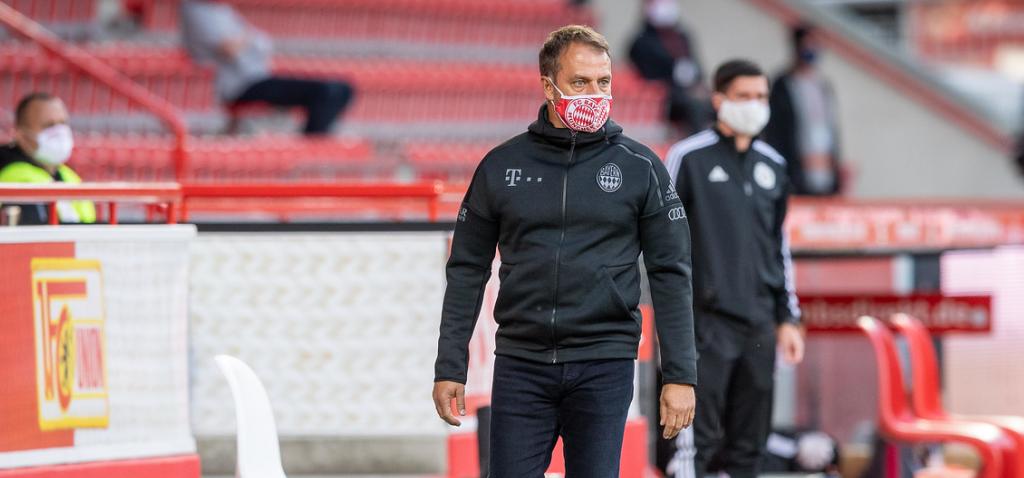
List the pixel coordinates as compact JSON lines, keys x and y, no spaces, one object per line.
{"x":205,"y":26}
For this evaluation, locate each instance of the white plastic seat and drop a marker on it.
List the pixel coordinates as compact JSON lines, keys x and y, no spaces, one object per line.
{"x":259,"y":454}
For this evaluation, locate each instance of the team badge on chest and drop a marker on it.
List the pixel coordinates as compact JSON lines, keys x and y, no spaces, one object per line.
{"x":609,"y":178}
{"x":764,"y":176}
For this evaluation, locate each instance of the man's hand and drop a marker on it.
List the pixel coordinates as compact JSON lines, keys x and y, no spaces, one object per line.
{"x":791,"y":342}
{"x":677,"y":408}
{"x":444,"y":392}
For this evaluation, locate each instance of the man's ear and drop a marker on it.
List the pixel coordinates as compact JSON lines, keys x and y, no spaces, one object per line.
{"x":716,"y":100}
{"x":549,"y":89}
{"x":22,"y":137}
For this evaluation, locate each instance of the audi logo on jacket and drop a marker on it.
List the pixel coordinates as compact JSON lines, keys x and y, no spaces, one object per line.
{"x":570,"y":213}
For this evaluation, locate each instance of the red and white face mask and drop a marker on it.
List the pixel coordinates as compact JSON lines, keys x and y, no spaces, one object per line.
{"x":584,"y":113}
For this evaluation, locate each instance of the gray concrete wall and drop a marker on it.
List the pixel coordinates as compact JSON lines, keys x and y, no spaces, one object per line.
{"x":896,"y":145}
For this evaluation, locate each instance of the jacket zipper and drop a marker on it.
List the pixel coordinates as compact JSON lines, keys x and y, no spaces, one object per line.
{"x":558,"y":252}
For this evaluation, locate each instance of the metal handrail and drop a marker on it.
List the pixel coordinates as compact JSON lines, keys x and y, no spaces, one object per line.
{"x":168,"y":194}
{"x":86,"y":63}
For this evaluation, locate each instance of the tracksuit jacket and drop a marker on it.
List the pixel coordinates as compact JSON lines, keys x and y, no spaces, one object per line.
{"x":736,"y":203}
{"x":570,"y":213}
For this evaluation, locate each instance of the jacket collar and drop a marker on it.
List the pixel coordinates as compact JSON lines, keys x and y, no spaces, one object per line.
{"x":563,"y":136}
{"x":730,"y":141}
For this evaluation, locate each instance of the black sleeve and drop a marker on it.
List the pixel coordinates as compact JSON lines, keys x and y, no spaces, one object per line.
{"x":787,"y":308}
{"x":665,"y":240}
{"x":780,"y":132}
{"x":837,"y":142}
{"x":469,"y":268}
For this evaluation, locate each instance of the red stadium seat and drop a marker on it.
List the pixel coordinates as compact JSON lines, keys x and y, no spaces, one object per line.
{"x":56,"y":11}
{"x":264,"y":158}
{"x":456,"y":160}
{"x":396,"y":98}
{"x":436,"y":21}
{"x":927,"y":394}
{"x":896,"y":421}
{"x":447,"y":160}
{"x":396,"y":91}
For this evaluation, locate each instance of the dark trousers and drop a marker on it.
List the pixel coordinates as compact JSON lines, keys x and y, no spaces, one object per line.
{"x":532,"y":404}
{"x":735,"y":377}
{"x":322,"y":100}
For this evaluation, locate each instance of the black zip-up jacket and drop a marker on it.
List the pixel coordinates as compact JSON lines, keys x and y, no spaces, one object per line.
{"x":737,"y":205}
{"x":570,"y":213}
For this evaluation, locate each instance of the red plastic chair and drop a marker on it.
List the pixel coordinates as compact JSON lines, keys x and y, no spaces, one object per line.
{"x":927,"y":396}
{"x":896,"y":421}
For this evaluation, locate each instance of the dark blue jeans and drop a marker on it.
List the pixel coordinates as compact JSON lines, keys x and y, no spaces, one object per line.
{"x":532,"y":404}
{"x":322,"y":100}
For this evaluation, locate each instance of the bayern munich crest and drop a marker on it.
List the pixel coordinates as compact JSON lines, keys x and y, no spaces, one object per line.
{"x":609,"y":178}
{"x":587,"y":114}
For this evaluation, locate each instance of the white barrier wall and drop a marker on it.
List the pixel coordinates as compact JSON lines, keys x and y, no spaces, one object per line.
{"x":93,"y":348}
{"x":340,"y":327}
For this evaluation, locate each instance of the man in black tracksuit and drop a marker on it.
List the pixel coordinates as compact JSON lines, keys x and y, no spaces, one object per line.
{"x":570,"y":205}
{"x":735,"y":188}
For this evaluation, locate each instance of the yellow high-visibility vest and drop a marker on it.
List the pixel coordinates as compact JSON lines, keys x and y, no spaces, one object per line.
{"x":69,"y":211}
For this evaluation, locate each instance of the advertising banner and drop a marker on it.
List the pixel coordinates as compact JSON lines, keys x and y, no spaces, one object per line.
{"x":93,"y":352}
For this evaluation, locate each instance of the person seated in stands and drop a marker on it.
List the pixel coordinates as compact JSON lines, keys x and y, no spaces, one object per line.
{"x":42,"y":145}
{"x":214,"y":33}
{"x":663,"y":52}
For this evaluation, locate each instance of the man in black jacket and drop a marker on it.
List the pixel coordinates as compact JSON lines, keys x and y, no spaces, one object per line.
{"x":735,"y":189}
{"x":570,"y":205}
{"x":804,"y":127}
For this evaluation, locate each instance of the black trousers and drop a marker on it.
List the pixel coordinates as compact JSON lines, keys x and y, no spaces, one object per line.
{"x":735,"y":377}
{"x":322,"y":100}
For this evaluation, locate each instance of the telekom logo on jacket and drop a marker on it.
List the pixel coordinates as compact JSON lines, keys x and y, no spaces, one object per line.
{"x":513,"y":176}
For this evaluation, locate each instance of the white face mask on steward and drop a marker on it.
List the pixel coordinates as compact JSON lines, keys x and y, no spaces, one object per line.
{"x":54,"y":145}
{"x":747,"y":118}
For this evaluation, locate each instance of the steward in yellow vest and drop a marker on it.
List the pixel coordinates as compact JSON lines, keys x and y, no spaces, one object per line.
{"x":42,"y":144}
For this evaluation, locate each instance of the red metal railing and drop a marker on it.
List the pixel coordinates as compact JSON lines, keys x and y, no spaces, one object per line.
{"x":166,"y":194}
{"x":80,"y":60}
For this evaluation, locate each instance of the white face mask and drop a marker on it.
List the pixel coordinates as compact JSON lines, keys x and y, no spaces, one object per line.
{"x":746,"y":118}
{"x":663,"y":13}
{"x":55,"y":145}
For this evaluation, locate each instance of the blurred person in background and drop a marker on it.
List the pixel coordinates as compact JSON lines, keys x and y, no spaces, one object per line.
{"x":1018,"y":154}
{"x":570,"y":205}
{"x":735,"y":189}
{"x":42,"y":145}
{"x":804,"y":128}
{"x":664,"y":52}
{"x":214,"y":33}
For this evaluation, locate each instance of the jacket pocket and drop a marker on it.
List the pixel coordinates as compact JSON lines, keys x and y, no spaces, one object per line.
{"x":509,"y":294}
{"x":504,"y":269}
{"x":623,"y":283}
